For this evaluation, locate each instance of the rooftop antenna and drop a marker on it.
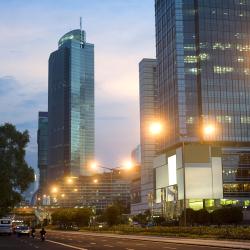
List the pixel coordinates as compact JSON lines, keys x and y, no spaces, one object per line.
{"x":81,"y":40}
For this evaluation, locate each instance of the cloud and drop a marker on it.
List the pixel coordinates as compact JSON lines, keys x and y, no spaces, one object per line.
{"x":19,"y":105}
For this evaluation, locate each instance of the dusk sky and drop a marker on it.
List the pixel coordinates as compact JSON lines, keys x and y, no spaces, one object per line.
{"x":123,"y":33}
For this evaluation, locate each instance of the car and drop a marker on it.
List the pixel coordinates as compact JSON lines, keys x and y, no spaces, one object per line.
{"x":23,"y":230}
{"x":5,"y":226}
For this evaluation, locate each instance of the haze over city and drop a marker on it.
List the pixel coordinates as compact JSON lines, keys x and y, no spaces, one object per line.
{"x":123,"y":33}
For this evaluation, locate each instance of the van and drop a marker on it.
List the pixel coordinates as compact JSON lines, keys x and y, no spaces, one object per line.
{"x":5,"y":226}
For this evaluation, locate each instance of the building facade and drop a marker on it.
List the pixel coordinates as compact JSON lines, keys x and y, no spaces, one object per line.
{"x":97,"y":191}
{"x":71,"y":106}
{"x":42,"y":143}
{"x":203,"y":76}
{"x":148,"y":114}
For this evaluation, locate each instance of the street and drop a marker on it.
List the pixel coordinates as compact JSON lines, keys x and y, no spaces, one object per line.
{"x":69,"y":240}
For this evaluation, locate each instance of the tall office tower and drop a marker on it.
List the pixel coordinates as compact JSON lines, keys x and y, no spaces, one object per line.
{"x":148,"y":114}
{"x":42,"y":142}
{"x":71,"y":106}
{"x":203,"y":72}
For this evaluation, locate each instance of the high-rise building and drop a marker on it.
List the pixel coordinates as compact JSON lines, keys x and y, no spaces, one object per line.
{"x":136,"y":155}
{"x":71,"y":106}
{"x":42,"y":142}
{"x":148,"y":114}
{"x":203,"y":73}
{"x":97,"y":191}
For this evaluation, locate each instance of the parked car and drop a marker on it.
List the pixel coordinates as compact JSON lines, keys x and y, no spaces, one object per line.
{"x":23,"y":230}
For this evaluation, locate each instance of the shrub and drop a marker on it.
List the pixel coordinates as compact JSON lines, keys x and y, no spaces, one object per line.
{"x":202,"y":217}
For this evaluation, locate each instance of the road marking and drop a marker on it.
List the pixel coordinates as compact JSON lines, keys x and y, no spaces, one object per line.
{"x":108,"y":246}
{"x":130,"y":249}
{"x":93,"y":243}
{"x":66,"y":245}
{"x":169,"y":247}
{"x":139,"y":244}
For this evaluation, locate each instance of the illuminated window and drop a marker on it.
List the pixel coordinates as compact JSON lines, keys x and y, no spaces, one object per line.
{"x":224,"y":119}
{"x":204,"y":56}
{"x":189,"y":47}
{"x":190,"y":59}
{"x":245,"y":119}
{"x":222,"y":46}
{"x":222,"y":70}
{"x":193,"y":71}
{"x":190,"y":120}
{"x":247,"y":71}
{"x":240,"y":59}
{"x":241,"y":47}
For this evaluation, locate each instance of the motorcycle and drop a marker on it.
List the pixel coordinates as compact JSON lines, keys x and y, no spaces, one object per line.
{"x":42,"y":237}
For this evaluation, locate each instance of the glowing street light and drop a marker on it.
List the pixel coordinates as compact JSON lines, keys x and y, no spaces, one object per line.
{"x":75,"y":190}
{"x":69,"y":181}
{"x":62,"y":195}
{"x":54,"y":190}
{"x":94,"y":165}
{"x":156,"y":128}
{"x":95,"y":180}
{"x":209,"y":129}
{"x":128,"y":165}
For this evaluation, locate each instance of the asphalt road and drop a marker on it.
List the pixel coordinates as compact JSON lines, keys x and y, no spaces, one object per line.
{"x":67,"y":241}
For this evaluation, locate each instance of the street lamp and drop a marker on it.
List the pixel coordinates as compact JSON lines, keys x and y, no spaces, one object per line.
{"x":156,"y":128}
{"x":54,"y":190}
{"x":209,"y":130}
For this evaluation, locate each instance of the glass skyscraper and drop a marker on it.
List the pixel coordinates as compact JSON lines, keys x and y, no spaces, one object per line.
{"x":203,"y":72}
{"x":42,"y":143}
{"x":71,"y":106}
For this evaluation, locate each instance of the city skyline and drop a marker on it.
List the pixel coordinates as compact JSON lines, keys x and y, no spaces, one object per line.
{"x":124,"y":42}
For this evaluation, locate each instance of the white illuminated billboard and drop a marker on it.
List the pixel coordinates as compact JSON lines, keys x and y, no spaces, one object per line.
{"x":172,"y":170}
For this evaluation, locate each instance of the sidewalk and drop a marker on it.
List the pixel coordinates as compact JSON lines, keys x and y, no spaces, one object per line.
{"x":188,"y":241}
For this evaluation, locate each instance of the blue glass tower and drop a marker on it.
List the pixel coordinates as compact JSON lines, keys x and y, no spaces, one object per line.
{"x":42,"y":143}
{"x":203,"y":74}
{"x":71,"y":106}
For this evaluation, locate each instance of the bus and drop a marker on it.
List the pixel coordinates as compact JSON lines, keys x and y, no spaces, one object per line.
{"x":5,"y":226}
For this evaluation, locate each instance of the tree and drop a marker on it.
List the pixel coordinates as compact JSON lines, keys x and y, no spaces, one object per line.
{"x":15,"y":174}
{"x":81,"y":216}
{"x":112,"y":215}
{"x":70,"y":216}
{"x":144,"y":218}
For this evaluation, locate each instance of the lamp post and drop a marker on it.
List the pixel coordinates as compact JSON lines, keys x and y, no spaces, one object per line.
{"x":184,"y":179}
